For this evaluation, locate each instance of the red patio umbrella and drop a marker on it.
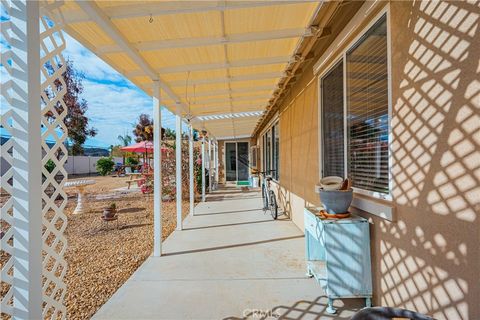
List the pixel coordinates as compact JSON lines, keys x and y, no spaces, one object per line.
{"x":144,"y":147}
{"x":139,"y":147}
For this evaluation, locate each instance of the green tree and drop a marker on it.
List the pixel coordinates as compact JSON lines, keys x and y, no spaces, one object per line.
{"x":125,"y":140}
{"x":170,"y":134}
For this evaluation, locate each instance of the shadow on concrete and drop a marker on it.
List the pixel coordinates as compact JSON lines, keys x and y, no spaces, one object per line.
{"x":232,"y":246}
{"x":303,"y":309}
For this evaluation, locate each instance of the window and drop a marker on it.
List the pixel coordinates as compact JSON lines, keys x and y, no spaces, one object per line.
{"x":253,"y":156}
{"x":332,"y":121}
{"x":355,"y":121}
{"x":271,"y":151}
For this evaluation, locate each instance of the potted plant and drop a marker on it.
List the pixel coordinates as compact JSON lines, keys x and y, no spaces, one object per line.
{"x":336,"y":194}
{"x":110,"y":211}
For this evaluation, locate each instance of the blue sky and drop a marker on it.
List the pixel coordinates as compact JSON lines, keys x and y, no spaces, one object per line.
{"x":114,"y":103}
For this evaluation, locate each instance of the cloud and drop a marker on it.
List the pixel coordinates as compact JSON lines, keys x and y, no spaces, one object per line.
{"x":114,"y":103}
{"x":90,"y":65}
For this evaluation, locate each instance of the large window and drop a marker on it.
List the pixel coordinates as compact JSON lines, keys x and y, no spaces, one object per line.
{"x":271,"y":151}
{"x":333,"y":123}
{"x":355,"y":121}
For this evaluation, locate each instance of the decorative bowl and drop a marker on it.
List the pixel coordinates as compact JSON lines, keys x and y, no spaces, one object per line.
{"x":336,"y":201}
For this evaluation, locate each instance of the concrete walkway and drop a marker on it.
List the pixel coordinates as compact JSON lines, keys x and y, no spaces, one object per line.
{"x":231,"y":261}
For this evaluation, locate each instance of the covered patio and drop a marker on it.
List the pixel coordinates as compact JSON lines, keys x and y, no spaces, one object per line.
{"x":230,"y":261}
{"x":385,"y":93}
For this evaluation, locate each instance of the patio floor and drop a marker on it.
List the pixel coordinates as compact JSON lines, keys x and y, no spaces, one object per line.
{"x":230,"y":261}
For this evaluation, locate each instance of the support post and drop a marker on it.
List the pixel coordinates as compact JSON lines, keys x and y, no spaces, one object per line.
{"x":157,"y":167}
{"x":26,"y":162}
{"x":215,"y":164}
{"x":217,"y":169}
{"x":178,"y":170}
{"x":203,"y":169}
{"x":190,"y":162}
{"x":210,"y":165}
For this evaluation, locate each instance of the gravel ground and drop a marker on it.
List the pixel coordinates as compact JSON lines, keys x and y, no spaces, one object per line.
{"x":100,"y":258}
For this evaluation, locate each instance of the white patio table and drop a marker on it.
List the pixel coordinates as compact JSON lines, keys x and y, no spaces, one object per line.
{"x":80,"y":186}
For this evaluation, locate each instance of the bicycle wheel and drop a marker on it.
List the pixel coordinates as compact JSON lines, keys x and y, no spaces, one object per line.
{"x":265,"y":198}
{"x":273,"y":205}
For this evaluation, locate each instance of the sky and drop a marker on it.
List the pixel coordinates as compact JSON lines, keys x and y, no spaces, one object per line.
{"x":114,"y":103}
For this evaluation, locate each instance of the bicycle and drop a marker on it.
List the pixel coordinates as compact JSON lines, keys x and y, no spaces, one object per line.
{"x":269,"y":198}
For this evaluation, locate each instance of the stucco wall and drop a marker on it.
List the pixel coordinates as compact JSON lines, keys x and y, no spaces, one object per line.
{"x":428,"y":259}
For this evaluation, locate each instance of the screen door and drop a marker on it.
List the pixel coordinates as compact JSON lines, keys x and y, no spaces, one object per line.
{"x":236,"y":161}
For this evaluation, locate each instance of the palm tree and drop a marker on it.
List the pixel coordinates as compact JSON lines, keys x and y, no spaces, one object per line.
{"x":126,"y":139}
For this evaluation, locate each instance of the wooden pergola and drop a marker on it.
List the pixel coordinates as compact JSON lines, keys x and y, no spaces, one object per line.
{"x":220,"y":66}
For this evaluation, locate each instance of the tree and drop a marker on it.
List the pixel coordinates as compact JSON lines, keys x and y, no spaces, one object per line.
{"x":170,"y":134}
{"x":143,"y":130}
{"x":125,"y":139}
{"x":76,"y":121}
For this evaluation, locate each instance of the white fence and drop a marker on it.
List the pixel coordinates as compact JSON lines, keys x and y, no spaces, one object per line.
{"x":84,"y":164}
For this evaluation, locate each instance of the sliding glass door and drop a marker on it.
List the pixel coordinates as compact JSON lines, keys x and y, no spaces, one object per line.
{"x":236,"y":161}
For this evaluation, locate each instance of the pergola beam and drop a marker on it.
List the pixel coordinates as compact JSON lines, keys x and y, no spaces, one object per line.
{"x":214,"y":66}
{"x":211,"y":41}
{"x":246,"y":77}
{"x":170,"y":8}
{"x":234,"y":90}
{"x":104,"y":22}
{"x":233,"y":99}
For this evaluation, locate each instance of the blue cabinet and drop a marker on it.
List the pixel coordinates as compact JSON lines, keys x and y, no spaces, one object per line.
{"x":338,"y":256}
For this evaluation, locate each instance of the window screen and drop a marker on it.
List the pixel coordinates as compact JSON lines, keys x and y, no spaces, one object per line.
{"x":268,"y":151}
{"x":367,"y":109}
{"x":276,"y":149}
{"x":333,"y":123}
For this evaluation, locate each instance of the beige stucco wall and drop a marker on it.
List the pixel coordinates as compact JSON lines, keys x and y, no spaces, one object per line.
{"x":428,"y":259}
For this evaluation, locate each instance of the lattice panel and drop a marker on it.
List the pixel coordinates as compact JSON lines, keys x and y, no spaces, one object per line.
{"x":54,"y":221}
{"x":54,"y":198}
{"x":6,"y":179}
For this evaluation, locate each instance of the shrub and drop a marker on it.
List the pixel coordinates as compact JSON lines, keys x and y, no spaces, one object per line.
{"x":50,"y":165}
{"x":131,"y":161}
{"x":105,"y":166}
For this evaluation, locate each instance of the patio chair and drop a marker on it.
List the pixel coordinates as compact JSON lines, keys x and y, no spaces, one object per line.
{"x":387,"y":313}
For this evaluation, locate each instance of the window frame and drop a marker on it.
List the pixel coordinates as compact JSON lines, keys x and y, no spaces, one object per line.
{"x":269,"y":130}
{"x":342,"y":57}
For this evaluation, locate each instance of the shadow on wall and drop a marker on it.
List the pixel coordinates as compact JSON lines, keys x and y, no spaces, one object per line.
{"x":429,"y":259}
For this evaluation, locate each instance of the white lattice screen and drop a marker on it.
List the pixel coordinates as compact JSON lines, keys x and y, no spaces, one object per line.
{"x":53,"y":198}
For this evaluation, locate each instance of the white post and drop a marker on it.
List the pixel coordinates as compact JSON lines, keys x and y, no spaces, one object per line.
{"x":26,"y":162}
{"x":190,"y":162}
{"x":203,"y":169}
{"x":214,"y":165}
{"x":178,"y":162}
{"x":209,"y":165}
{"x":157,"y":167}
{"x":216,"y":162}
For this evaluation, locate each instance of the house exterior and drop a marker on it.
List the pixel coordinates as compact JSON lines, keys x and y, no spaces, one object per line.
{"x":392,"y":101}
{"x":386,"y":93}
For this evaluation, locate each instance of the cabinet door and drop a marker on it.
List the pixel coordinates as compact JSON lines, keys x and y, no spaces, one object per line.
{"x":310,"y":223}
{"x":347,"y":248}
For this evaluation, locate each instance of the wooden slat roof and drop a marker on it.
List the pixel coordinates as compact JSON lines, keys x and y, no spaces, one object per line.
{"x":211,"y":57}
